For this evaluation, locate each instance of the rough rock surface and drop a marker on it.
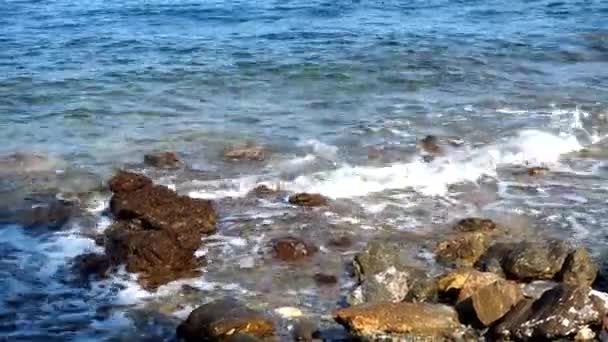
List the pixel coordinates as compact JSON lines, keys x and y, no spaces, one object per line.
{"x":560,"y":312}
{"x":164,"y":160}
{"x":292,"y":249}
{"x":400,"y":320}
{"x":463,"y":248}
{"x":463,"y":283}
{"x":390,"y":285}
{"x":91,"y":265}
{"x":535,"y":261}
{"x":158,"y":231}
{"x":308,"y":200}
{"x":223,"y":319}
{"x":579,"y":268}
{"x":475,"y":224}
{"x":493,"y":301}
{"x":537,"y":171}
{"x":430,"y":144}
{"x":247,"y":151}
{"x":323,"y":279}
{"x":377,"y":257}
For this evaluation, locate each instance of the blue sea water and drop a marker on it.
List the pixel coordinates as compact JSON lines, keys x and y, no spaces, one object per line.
{"x":338,"y":91}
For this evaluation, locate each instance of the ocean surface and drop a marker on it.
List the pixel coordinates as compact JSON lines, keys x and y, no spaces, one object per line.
{"x":338,"y":92}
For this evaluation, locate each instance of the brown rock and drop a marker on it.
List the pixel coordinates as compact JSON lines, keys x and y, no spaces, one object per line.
{"x":263,"y":190}
{"x":537,"y":171}
{"x":164,"y":160}
{"x":493,"y":301}
{"x":292,"y":249}
{"x":92,"y":265}
{"x":535,"y":261}
{"x":400,"y":320}
{"x":245,"y":152}
{"x":308,"y":200}
{"x":463,"y":248}
{"x":323,"y":279}
{"x":475,"y":224}
{"x":430,"y":144}
{"x":221,"y":320}
{"x":579,"y":268}
{"x":463,"y":283}
{"x":124,"y":182}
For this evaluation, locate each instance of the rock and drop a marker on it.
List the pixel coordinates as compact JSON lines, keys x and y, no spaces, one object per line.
{"x":559,"y":313}
{"x":463,"y":283}
{"x":537,"y":171}
{"x":263,"y":190}
{"x":579,"y":268}
{"x":325,"y":279}
{"x":585,"y":334}
{"x":377,"y":257}
{"x":390,"y":285}
{"x":242,"y":338}
{"x":462,"y":249}
{"x":222,"y":319}
{"x":492,"y":259}
{"x":125,"y":182}
{"x":41,"y":211}
{"x":19,"y":162}
{"x":292,"y":249}
{"x":430,"y":144}
{"x":493,"y":301}
{"x":245,"y":152}
{"x":308,"y":200}
{"x":400,"y":320}
{"x":164,"y":160}
{"x":305,"y":331}
{"x":289,"y":312}
{"x":92,"y":265}
{"x":475,"y":224}
{"x":535,"y":261}
{"x":536,"y":288}
{"x":343,"y":241}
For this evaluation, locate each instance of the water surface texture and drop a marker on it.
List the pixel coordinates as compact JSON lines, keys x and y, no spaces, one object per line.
{"x":339,"y":92}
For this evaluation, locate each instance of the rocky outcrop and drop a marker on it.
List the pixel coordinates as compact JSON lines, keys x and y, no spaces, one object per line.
{"x":579,"y":268}
{"x":223,"y":320}
{"x":493,"y":301}
{"x":559,"y":313}
{"x":308,"y":200}
{"x":91,"y":265}
{"x":462,"y":248}
{"x":535,"y":261}
{"x":400,"y":320}
{"x":157,"y":231}
{"x":164,"y":160}
{"x":463,"y":283}
{"x":292,"y":249}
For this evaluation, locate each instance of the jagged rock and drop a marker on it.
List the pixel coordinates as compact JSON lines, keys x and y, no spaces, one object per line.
{"x":559,"y":313}
{"x":164,"y":160}
{"x":92,"y":265}
{"x":400,"y":320}
{"x":292,"y":249}
{"x":245,"y":152}
{"x":390,"y":285}
{"x":223,"y":319}
{"x":493,"y":301}
{"x":535,"y":261}
{"x":463,"y":249}
{"x":492,"y":259}
{"x":376,"y":258}
{"x":579,"y":268}
{"x":124,"y":182}
{"x":308,"y":200}
{"x":536,"y":288}
{"x":463,"y":283}
{"x":475,"y":224}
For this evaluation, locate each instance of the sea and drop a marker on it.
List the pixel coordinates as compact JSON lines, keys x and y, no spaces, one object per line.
{"x":338,"y":93}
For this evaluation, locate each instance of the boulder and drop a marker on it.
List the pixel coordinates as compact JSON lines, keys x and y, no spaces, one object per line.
{"x":41,"y":211}
{"x":400,"y":320}
{"x":430,"y":144}
{"x":462,"y":248}
{"x":222,"y":320}
{"x":492,"y":259}
{"x":292,"y":249}
{"x":390,"y":285}
{"x":263,"y":190}
{"x":559,"y":313}
{"x":91,"y":265}
{"x":164,"y":160}
{"x":535,"y":261}
{"x":493,"y":301}
{"x":247,"y":151}
{"x":308,"y":200}
{"x":475,"y":224}
{"x":463,"y":283}
{"x":377,"y":257}
{"x":579,"y":268}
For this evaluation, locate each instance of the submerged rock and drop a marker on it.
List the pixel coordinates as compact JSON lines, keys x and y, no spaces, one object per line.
{"x":475,"y":224}
{"x":400,"y":320}
{"x":164,"y":160}
{"x":91,"y":265}
{"x":41,"y":211}
{"x":537,"y":171}
{"x":308,"y":200}
{"x":559,"y":313}
{"x":158,"y":231}
{"x":430,"y":144}
{"x":247,"y":151}
{"x":19,"y":162}
{"x":292,"y":249}
{"x":579,"y":268}
{"x":222,"y":320}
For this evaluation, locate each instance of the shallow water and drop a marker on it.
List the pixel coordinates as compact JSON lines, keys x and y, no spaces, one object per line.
{"x":339,"y":92}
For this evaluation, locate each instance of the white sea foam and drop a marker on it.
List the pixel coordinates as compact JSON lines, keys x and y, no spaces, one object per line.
{"x":321,"y":149}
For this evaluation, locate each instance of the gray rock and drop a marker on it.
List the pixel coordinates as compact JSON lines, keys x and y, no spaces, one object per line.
{"x":579,"y":268}
{"x":535,"y":261}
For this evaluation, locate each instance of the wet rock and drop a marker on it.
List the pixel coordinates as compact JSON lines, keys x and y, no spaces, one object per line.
{"x":535,"y":289}
{"x":308,"y":200}
{"x":390,"y":285}
{"x":242,"y":338}
{"x":24,"y":163}
{"x":92,"y":265}
{"x":535,"y":261}
{"x":223,"y":319}
{"x":579,"y":268}
{"x":343,"y":241}
{"x":475,"y":224}
{"x":559,"y":313}
{"x":164,"y":160}
{"x":305,"y":331}
{"x":463,"y":248}
{"x":263,"y":190}
{"x":322,"y":279}
{"x":492,"y":259}
{"x":292,"y":249}
{"x":537,"y":171}
{"x":125,"y":182}
{"x":463,"y":283}
{"x":400,"y":320}
{"x":41,"y":211}
{"x":247,"y":151}
{"x":377,"y":257}
{"x":493,"y":301}
{"x":430,"y":144}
